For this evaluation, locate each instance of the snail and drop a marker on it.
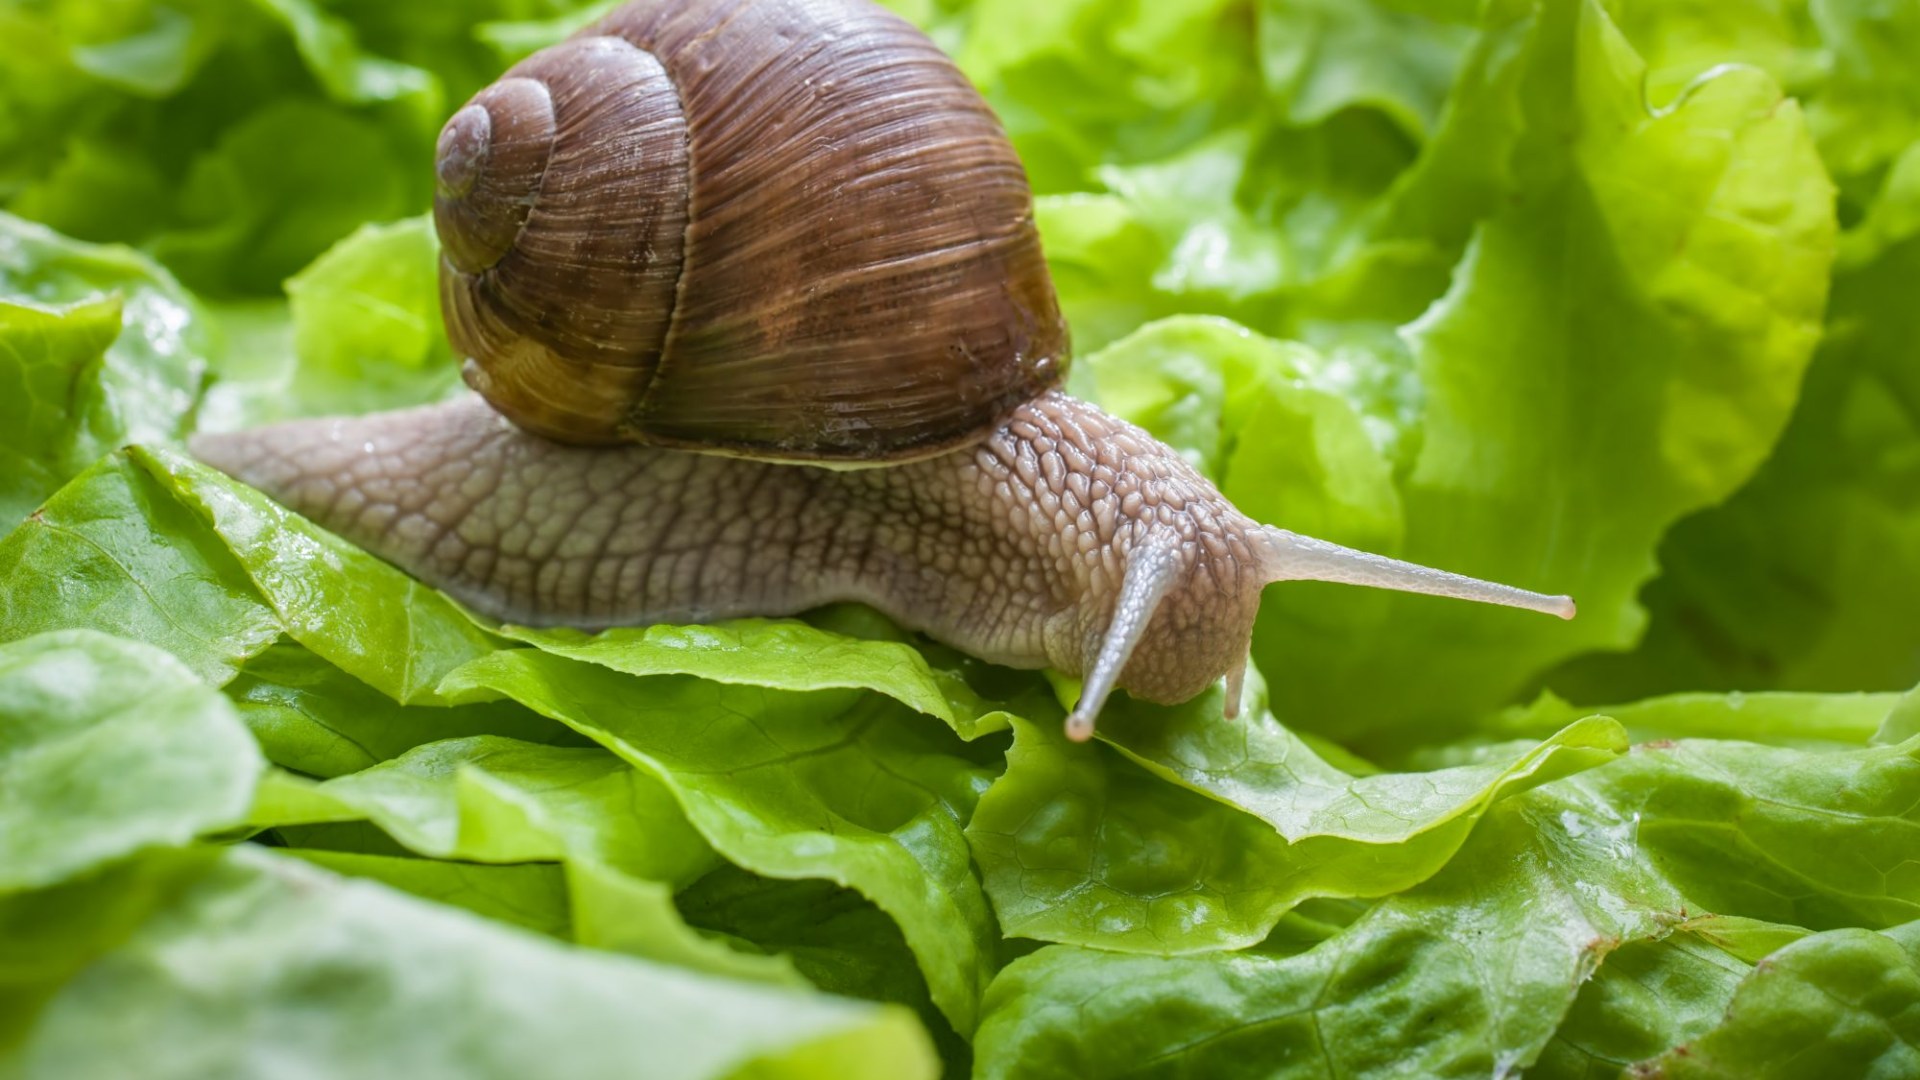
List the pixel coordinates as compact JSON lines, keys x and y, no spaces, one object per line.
{"x":753,"y":301}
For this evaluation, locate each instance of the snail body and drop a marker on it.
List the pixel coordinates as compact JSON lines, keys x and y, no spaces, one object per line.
{"x":537,"y":532}
{"x":704,"y":248}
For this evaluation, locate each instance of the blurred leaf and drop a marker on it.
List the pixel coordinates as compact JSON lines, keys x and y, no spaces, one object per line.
{"x":264,"y":201}
{"x":1322,"y":56}
{"x":49,"y":935}
{"x":1810,"y":721}
{"x":349,"y":74}
{"x":1620,"y":346}
{"x":267,"y":957}
{"x":76,"y":386}
{"x":530,"y":896}
{"x":1805,"y":579}
{"x":108,"y":747}
{"x":366,"y":323}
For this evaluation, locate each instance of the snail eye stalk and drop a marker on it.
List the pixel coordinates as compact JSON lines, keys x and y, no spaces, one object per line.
{"x":1292,"y":557}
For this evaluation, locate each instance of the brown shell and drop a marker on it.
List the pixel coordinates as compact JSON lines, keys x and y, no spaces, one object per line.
{"x":780,"y":228}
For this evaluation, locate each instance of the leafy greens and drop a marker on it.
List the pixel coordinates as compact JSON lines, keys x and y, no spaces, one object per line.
{"x":1613,"y":297}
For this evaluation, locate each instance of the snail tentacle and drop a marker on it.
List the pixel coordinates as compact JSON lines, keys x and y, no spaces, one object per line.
{"x":1152,"y":567}
{"x":1292,"y":557}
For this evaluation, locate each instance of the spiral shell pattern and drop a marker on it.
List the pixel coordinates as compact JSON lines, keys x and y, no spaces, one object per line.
{"x":787,"y":229}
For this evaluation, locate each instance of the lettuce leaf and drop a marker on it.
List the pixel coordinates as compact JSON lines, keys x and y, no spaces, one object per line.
{"x":1842,"y":1003}
{"x":361,"y":614}
{"x":1652,"y":995}
{"x":266,"y":959}
{"x":1814,"y":840}
{"x":109,"y":747}
{"x":1615,"y":351}
{"x":234,"y":139}
{"x":1200,"y":835}
{"x":1465,"y":975}
{"x":834,"y":784}
{"x":1321,"y":58}
{"x":623,"y":841}
{"x":1522,"y":288}
{"x":1811,"y":721}
{"x":73,"y":385}
{"x":531,"y":896}
{"x":359,"y":331}
{"x":1474,"y":971}
{"x":1802,"y":581}
{"x":493,"y":800}
{"x":786,"y":654}
{"x":839,"y":940}
{"x":312,"y":718}
{"x":115,"y":551}
{"x":47,"y":354}
{"x":214,"y":572}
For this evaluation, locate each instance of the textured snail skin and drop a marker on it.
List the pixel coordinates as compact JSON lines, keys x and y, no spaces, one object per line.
{"x":1013,"y":550}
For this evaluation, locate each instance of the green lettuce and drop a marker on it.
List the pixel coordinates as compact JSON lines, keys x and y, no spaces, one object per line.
{"x":1576,"y":407}
{"x":1197,"y":834}
{"x":623,"y":841}
{"x":1799,"y":581}
{"x":109,"y":747}
{"x":786,"y":654}
{"x":115,"y":551}
{"x":1604,"y":296}
{"x":1802,"y":580}
{"x":236,"y":140}
{"x":532,"y":896}
{"x":49,"y":352}
{"x":359,"y":331}
{"x":73,"y":385}
{"x":834,"y":937}
{"x":1813,"y":721}
{"x":493,"y":800}
{"x":225,"y":574}
{"x":313,"y":718}
{"x":262,"y":959}
{"x":1841,"y":1003}
{"x":841,"y":785}
{"x":1656,"y":994}
{"x":1474,"y":971}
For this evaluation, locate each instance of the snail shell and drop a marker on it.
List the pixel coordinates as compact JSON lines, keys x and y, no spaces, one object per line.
{"x":787,"y":229}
